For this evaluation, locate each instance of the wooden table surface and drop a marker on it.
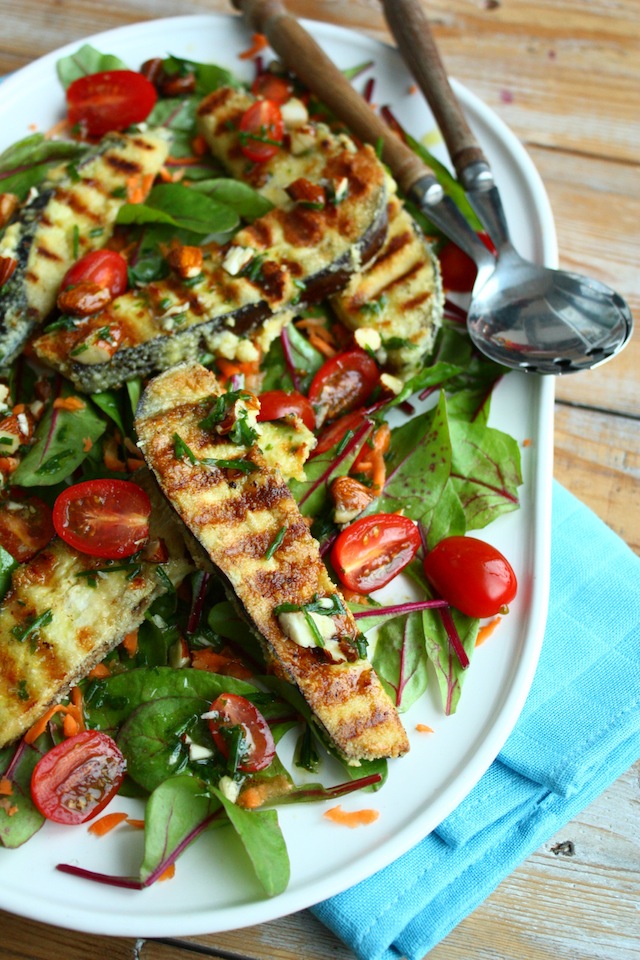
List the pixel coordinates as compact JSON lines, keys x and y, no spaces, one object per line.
{"x":565,"y":76}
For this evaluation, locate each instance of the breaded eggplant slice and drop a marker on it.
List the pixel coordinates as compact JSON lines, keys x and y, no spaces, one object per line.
{"x":303,"y":154}
{"x":286,"y":257}
{"x":399,"y":297}
{"x":65,"y":611}
{"x":399,"y":294}
{"x":236,"y":508}
{"x":73,"y":212}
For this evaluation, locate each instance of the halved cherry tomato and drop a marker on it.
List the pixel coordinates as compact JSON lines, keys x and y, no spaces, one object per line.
{"x":336,"y":431}
{"x":261,"y":131}
{"x":275,"y":404}
{"x":104,"y":518}
{"x":110,"y":100}
{"x":105,"y":268}
{"x":258,"y":748}
{"x":458,"y":270}
{"x":25,"y":527}
{"x":373,"y":550}
{"x":75,"y":780}
{"x":471,"y":575}
{"x":269,"y":86}
{"x":342,"y":383}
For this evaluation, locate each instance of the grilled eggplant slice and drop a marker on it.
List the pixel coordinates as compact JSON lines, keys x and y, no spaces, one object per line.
{"x":399,"y":294}
{"x":65,"y":611}
{"x":237,"y":509}
{"x":72,"y":213}
{"x":288,"y":256}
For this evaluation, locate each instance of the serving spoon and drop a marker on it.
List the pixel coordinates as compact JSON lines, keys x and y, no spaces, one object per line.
{"x":522,"y":315}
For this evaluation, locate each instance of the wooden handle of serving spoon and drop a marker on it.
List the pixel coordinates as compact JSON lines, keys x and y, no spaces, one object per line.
{"x":300,"y":52}
{"x":410,"y":27}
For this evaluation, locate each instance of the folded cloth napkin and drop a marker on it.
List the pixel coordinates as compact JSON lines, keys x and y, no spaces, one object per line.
{"x":578,"y":731}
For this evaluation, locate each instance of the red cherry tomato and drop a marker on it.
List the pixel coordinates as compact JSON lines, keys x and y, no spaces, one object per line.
{"x":110,"y":100}
{"x":104,"y":518}
{"x":335,"y":432}
{"x":471,"y":575}
{"x":269,"y":86}
{"x":235,"y":711}
{"x":458,"y":270}
{"x":261,"y":131}
{"x":275,"y":404}
{"x":373,"y":550}
{"x":343,"y":382}
{"x":105,"y":268}
{"x":75,"y":780}
{"x":25,"y":527}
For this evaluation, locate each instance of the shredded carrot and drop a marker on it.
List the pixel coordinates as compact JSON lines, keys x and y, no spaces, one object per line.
{"x":251,"y":798}
{"x":353,"y":818}
{"x":136,"y":824}
{"x":168,"y":874}
{"x":87,"y":444}
{"x":134,"y":463}
{"x":371,"y":459}
{"x":527,"y":442}
{"x":74,"y":710}
{"x":6,"y":787}
{"x":199,"y":145}
{"x":219,"y":663}
{"x":413,"y":88}
{"x":139,"y":186}
{"x":19,"y":408}
{"x":100,"y":671}
{"x":62,"y":128}
{"x":8,"y":464}
{"x":165,"y":175}
{"x":229,"y":368}
{"x":485,"y":631}
{"x":352,"y":597}
{"x":130,"y":643}
{"x":106,"y":824}
{"x":321,"y":345}
{"x":69,"y":403}
{"x":70,"y":726}
{"x":110,"y":456}
{"x":423,"y":728}
{"x":259,"y":43}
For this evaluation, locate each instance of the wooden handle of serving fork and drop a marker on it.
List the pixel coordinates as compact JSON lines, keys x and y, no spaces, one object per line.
{"x":301,"y":54}
{"x":410,"y":27}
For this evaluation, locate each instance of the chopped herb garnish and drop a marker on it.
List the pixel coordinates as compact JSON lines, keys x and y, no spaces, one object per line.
{"x":76,"y":241}
{"x":240,"y":433}
{"x":79,"y":349}
{"x":275,"y":543}
{"x":21,"y":690}
{"x":374,"y":307}
{"x":181,"y":450}
{"x":32,"y":626}
{"x":64,"y":323}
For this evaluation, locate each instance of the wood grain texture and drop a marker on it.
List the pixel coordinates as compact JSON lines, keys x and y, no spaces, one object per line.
{"x":564,"y":75}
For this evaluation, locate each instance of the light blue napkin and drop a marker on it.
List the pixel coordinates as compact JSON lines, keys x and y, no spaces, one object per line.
{"x":579,"y":730}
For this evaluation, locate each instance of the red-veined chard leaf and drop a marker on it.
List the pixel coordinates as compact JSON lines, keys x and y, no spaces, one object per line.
{"x":400,"y":659}
{"x":449,"y":673}
{"x":84,"y":61}
{"x":19,"y":817}
{"x":485,"y":471}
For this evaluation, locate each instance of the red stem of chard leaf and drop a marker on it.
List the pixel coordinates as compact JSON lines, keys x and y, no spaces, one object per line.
{"x":454,"y":637}
{"x":329,"y":793}
{"x":195,"y":613}
{"x":357,"y":439}
{"x":288,"y":359}
{"x":398,"y":608}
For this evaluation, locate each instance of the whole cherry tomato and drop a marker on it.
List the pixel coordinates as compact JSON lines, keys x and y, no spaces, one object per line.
{"x":342,"y":383}
{"x":233,"y":711}
{"x":373,"y":550}
{"x":105,"y":268}
{"x":471,"y":575}
{"x":75,"y":780}
{"x":261,"y":131}
{"x":110,"y":100}
{"x":275,"y":404}
{"x":457,"y":268}
{"x":104,"y":518}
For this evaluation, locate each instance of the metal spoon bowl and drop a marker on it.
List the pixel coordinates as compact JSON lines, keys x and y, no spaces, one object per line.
{"x":522,"y":315}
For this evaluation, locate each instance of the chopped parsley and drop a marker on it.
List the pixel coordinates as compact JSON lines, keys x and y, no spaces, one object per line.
{"x":32,"y":626}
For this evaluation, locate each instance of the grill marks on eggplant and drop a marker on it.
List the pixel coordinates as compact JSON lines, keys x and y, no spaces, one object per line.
{"x":55,"y":626}
{"x":234,"y":517}
{"x":55,"y":227}
{"x":296,"y":256}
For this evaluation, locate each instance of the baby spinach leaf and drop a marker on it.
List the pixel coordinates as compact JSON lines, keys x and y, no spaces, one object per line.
{"x":242,"y":198}
{"x":84,"y":61}
{"x":209,"y":76}
{"x":151,"y":738}
{"x":7,"y":566}
{"x":176,"y":813}
{"x":63,"y":439}
{"x":109,"y":402}
{"x":262,"y":839}
{"x":181,"y":207}
{"x":485,"y":470}
{"x":400,"y":659}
